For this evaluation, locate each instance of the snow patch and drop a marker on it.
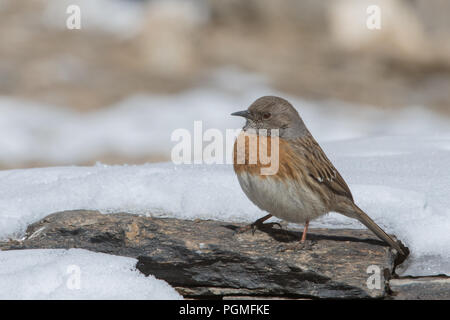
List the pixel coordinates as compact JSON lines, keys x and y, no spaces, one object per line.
{"x":76,"y":274}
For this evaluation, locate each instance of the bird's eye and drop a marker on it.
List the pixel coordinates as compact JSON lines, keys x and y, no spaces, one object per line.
{"x":266,"y":115}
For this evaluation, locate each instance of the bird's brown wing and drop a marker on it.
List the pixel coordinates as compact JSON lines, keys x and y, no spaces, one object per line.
{"x":319,"y":167}
{"x":315,"y":163}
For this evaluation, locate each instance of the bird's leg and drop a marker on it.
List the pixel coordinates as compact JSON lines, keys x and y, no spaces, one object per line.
{"x":305,"y":230}
{"x":256,"y":224}
{"x":302,"y":245}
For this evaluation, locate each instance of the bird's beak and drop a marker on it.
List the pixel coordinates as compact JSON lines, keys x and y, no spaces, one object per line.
{"x":244,"y":114}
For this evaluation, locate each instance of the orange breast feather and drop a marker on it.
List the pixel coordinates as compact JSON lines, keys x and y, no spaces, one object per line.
{"x":252,"y":152}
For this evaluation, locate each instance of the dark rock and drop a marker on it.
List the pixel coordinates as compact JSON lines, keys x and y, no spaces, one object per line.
{"x":204,"y":258}
{"x":425,"y":288}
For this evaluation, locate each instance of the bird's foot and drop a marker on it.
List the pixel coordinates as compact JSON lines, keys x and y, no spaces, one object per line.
{"x":253,"y":226}
{"x":297,"y":246}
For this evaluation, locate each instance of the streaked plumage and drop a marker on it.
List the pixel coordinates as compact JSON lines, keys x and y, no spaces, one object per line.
{"x":306,"y":185}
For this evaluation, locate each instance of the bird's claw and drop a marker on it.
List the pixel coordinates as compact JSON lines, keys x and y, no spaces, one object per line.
{"x":254,"y":226}
{"x":264,"y":225}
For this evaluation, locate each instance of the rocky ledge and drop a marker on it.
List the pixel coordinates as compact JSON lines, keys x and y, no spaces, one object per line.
{"x":209,"y":259}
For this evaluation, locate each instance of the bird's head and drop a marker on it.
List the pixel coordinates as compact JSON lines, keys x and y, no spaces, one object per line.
{"x":270,"y":112}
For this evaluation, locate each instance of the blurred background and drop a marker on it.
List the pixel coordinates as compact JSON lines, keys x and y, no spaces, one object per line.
{"x":114,"y":90}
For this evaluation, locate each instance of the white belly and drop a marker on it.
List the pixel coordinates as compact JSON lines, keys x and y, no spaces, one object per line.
{"x":287,"y":201}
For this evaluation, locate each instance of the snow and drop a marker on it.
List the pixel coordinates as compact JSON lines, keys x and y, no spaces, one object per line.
{"x":142,"y":125}
{"x":405,"y":191}
{"x":157,"y":189}
{"x":76,"y":274}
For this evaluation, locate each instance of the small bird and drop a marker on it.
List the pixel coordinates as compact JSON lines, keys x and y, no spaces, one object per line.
{"x":306,"y":184}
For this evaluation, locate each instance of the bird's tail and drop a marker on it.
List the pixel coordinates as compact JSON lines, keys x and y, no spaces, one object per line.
{"x":369,"y":223}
